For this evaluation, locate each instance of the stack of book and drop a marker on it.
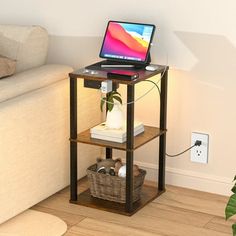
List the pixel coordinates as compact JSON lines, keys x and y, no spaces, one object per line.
{"x":101,"y":131}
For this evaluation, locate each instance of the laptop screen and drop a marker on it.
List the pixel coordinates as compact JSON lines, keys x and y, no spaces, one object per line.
{"x":125,"y":41}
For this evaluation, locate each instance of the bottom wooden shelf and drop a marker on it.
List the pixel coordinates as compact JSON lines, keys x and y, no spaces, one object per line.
{"x":148,"y":194}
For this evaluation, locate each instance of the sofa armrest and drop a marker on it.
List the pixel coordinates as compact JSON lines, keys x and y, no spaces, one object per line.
{"x":31,"y":80}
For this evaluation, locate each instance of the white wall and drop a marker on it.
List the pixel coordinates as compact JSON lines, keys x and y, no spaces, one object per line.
{"x":199,"y":37}
{"x":88,"y":19}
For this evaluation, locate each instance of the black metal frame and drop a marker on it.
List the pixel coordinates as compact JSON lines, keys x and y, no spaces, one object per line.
{"x":129,"y":143}
{"x":162,"y":139}
{"x":73,"y":135}
{"x":129,"y":147}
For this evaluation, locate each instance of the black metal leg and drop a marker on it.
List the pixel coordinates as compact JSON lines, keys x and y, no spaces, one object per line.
{"x":73,"y":135}
{"x":108,"y":150}
{"x":129,"y":152}
{"x":108,"y":153}
{"x":162,"y":139}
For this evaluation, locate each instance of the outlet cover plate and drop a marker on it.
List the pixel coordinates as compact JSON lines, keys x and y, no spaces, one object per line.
{"x":200,"y":153}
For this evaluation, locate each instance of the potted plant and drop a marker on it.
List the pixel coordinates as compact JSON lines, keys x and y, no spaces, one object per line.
{"x":230,"y":209}
{"x":114,"y":119}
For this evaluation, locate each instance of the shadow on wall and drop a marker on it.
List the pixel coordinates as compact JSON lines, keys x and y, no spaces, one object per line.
{"x":74,"y":51}
{"x":216,"y":57}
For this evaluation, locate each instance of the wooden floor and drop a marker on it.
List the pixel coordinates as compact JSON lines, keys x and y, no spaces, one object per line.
{"x":177,"y":212}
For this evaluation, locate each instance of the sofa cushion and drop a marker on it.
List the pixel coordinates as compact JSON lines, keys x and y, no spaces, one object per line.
{"x":26,"y":44}
{"x":7,"y":67}
{"x":31,"y":80}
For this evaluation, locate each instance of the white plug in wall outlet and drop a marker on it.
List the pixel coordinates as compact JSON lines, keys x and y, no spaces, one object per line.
{"x":200,"y":153}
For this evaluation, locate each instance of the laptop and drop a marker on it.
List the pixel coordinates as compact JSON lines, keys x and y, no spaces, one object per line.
{"x":125,"y":45}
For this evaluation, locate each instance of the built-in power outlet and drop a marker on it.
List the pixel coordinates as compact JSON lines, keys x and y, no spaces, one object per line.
{"x":200,"y":153}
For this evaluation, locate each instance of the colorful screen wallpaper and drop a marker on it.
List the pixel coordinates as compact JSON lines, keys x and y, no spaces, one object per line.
{"x":127,"y":41}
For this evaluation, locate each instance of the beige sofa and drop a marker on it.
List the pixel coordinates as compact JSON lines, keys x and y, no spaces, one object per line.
{"x":33,"y":122}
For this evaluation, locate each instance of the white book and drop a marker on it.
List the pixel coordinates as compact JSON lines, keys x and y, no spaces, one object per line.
{"x":102,"y":129}
{"x":116,"y":139}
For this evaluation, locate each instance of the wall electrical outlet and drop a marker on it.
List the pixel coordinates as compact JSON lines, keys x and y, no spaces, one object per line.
{"x":200,"y":153}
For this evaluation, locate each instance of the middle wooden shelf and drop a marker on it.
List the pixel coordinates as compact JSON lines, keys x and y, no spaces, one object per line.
{"x":149,"y":134}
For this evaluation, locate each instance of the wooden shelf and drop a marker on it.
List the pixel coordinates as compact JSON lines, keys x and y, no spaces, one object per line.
{"x":149,"y":134}
{"x":148,"y":194}
{"x":101,"y":75}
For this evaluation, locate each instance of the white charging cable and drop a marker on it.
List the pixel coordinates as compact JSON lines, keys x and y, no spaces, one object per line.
{"x":127,"y":103}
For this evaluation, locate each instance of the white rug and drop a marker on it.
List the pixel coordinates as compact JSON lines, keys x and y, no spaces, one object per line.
{"x":33,"y":223}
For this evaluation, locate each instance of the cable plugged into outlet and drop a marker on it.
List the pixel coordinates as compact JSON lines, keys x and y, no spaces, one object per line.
{"x":199,"y":153}
{"x":198,"y":143}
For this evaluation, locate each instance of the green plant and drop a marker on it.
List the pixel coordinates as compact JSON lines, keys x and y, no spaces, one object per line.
{"x":230,"y":209}
{"x":110,"y":100}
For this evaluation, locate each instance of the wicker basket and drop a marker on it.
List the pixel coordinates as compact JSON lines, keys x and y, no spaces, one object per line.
{"x":112,"y":188}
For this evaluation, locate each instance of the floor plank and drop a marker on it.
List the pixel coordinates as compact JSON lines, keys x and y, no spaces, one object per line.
{"x":220,"y":224}
{"x":144,"y":221}
{"x":178,"y":212}
{"x":197,"y":194}
{"x":194,"y":200}
{"x":92,"y":227}
{"x":70,"y":219}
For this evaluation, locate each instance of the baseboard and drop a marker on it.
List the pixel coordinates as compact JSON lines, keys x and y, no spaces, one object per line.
{"x":191,"y":179}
